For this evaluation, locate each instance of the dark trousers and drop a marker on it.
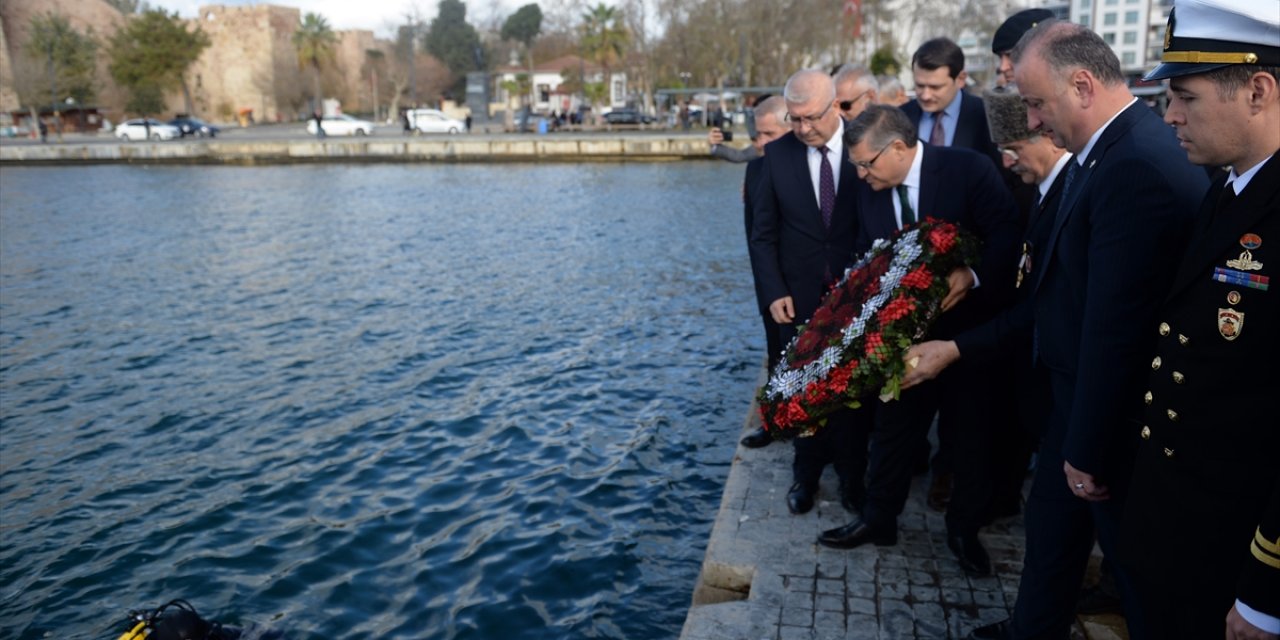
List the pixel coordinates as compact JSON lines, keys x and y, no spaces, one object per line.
{"x":773,"y":345}
{"x":961,"y":396}
{"x":1060,"y":530}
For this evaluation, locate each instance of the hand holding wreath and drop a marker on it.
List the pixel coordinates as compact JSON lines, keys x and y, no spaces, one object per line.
{"x":851,"y":347}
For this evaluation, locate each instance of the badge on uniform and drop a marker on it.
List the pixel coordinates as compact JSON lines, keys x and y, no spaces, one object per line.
{"x":1024,"y":265}
{"x":1230,"y":323}
{"x":1240,"y":278}
{"x":1245,"y":262}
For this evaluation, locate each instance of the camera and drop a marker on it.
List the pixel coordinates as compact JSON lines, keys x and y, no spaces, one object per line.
{"x":728,"y":135}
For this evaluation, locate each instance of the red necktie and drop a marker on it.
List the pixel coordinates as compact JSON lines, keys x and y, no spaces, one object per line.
{"x":939,"y":136}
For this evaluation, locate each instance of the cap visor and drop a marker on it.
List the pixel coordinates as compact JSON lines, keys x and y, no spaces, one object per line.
{"x":1175,"y":69}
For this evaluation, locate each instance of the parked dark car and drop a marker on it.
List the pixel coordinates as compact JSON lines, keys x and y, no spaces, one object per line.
{"x":194,"y":127}
{"x":627,"y":116}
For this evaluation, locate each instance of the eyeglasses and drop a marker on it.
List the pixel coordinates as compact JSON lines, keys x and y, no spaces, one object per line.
{"x":810,"y":120}
{"x":846,"y":105}
{"x":1012,"y":154}
{"x":866,"y":166}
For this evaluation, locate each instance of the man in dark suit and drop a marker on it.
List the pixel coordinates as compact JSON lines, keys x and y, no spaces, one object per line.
{"x":801,"y":241}
{"x":1202,"y":526}
{"x":770,"y":117}
{"x":944,"y":114}
{"x":1127,"y":200}
{"x":905,"y":181}
{"x":1038,"y":163}
{"x":948,"y":116}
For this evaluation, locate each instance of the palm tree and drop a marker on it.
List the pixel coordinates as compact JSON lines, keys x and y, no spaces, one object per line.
{"x":604,"y":40}
{"x":315,"y":42}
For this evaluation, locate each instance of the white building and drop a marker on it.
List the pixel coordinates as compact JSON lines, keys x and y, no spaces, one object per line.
{"x":1133,"y":28}
{"x":547,"y":78}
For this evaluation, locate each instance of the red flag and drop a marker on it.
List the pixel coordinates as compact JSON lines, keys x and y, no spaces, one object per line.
{"x":854,"y":8}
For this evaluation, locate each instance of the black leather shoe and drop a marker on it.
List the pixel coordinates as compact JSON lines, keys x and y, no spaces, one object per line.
{"x":800,"y":498}
{"x":971,"y":554}
{"x":856,"y":534}
{"x":994,"y":631}
{"x":756,"y":439}
{"x":853,"y":497}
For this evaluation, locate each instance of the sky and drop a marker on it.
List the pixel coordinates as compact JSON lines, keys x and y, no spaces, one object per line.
{"x":379,"y":16}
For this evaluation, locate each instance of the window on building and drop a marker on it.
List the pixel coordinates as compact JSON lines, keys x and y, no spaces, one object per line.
{"x":1112,"y":3}
{"x":1109,"y":19}
{"x":1084,"y":20}
{"x":1109,"y":38}
{"x":1085,"y":4}
{"x":1128,"y":58}
{"x":1131,"y":37}
{"x":1131,"y":17}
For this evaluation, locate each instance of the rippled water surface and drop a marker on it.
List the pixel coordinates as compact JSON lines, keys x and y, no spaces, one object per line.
{"x":384,"y":401}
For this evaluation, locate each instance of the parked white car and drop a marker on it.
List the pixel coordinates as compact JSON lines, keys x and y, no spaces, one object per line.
{"x":136,"y":129}
{"x":434,"y":121}
{"x":342,"y":125}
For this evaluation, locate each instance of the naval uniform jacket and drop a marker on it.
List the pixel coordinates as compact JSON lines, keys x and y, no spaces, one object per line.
{"x":1203,"y":519}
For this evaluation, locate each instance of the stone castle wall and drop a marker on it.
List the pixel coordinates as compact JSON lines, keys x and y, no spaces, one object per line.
{"x":250,"y":63}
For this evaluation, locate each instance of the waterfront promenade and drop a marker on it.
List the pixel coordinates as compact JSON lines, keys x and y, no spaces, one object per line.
{"x":766,"y":578}
{"x":284,"y":144}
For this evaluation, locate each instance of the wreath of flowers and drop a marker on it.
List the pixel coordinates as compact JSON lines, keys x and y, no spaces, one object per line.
{"x":850,"y":348}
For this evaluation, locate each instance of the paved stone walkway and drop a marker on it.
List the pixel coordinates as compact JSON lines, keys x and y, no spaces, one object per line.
{"x":765,"y":577}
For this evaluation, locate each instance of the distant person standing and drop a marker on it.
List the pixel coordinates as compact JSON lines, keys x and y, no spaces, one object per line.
{"x":319,"y":124}
{"x":770,"y":116}
{"x":892,"y":92}
{"x":44,"y":130}
{"x":404,"y":120}
{"x":856,"y":87}
{"x":1004,"y":39}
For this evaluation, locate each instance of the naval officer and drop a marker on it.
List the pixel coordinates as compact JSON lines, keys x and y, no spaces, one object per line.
{"x":1201,"y":533}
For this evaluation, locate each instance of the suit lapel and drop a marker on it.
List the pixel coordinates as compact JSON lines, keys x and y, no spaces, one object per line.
{"x":1066,"y":207}
{"x":964,"y":132}
{"x":805,"y":182}
{"x":926,"y":204}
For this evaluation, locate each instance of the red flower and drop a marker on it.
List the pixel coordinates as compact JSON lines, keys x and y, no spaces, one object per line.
{"x":844,"y":315}
{"x":875,"y":347}
{"x":942,"y":238}
{"x":817,"y":393}
{"x":896,"y":309}
{"x":921,"y":278}
{"x":809,"y":341}
{"x":795,"y":412}
{"x":839,"y":379}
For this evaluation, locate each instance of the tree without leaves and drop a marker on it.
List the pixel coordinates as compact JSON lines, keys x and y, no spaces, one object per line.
{"x":151,"y":55}
{"x":453,"y":41}
{"x":315,"y":42}
{"x":67,"y":54}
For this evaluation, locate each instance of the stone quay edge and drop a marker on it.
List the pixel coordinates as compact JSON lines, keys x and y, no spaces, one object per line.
{"x":459,"y":149}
